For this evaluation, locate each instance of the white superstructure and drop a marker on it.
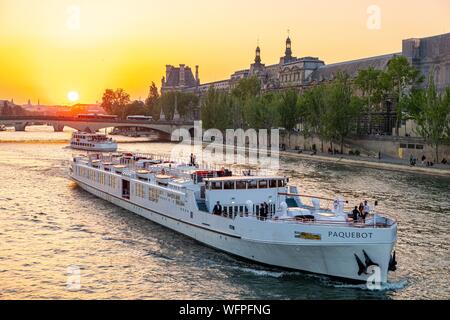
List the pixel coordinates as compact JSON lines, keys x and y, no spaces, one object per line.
{"x":92,"y":142}
{"x":260,"y":218}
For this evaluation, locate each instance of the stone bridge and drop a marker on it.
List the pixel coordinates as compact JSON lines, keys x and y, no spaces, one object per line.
{"x":92,"y":125}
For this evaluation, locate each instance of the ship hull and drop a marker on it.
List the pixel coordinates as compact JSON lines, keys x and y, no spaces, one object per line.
{"x":334,"y":260}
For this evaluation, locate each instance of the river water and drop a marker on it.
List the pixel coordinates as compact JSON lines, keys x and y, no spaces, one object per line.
{"x":50,"y":230}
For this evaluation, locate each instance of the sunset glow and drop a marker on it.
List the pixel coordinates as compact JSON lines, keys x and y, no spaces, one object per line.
{"x":48,"y":47}
{"x":73,"y":96}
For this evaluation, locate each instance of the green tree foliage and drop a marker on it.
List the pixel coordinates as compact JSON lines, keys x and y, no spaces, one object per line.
{"x":135,"y":108}
{"x":115,"y":102}
{"x":216,"y":110}
{"x":431,"y":112}
{"x":247,"y":88}
{"x":343,"y":107}
{"x":261,"y":112}
{"x":312,"y":111}
{"x":370,"y":84}
{"x":398,"y":79}
{"x":152,"y":99}
{"x":184,"y":102}
{"x":288,"y":111}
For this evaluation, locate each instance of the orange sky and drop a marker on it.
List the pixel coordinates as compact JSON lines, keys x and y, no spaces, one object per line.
{"x":46,"y":52}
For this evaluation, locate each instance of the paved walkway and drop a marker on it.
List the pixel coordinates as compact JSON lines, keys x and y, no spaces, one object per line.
{"x":363,"y":161}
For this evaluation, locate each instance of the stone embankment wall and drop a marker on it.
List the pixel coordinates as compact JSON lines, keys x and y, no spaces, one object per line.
{"x":394,"y":147}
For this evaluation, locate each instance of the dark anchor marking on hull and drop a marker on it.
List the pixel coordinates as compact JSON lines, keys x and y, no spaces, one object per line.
{"x":369,"y":261}
{"x":393,"y":263}
{"x":361,"y":266}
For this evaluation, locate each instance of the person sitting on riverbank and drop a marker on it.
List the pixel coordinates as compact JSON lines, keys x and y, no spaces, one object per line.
{"x":444,"y":161}
{"x":412,"y":160}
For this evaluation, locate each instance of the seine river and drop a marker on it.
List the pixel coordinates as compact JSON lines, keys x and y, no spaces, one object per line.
{"x":49,"y":227}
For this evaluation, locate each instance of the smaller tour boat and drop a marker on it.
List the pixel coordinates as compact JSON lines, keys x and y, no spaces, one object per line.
{"x":92,"y":142}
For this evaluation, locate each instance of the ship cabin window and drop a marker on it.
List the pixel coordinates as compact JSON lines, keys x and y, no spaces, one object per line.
{"x":272,"y":183}
{"x":263,"y":184}
{"x":253,"y":184}
{"x":241,"y":185}
{"x":216,"y":185}
{"x":228,"y":185}
{"x":281,"y":183}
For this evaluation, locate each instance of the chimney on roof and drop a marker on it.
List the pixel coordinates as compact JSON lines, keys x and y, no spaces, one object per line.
{"x":197,"y":80}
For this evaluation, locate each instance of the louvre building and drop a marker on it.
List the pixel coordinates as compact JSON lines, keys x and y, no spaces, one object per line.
{"x":425,"y":54}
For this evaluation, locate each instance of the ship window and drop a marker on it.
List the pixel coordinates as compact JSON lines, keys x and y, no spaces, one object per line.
{"x":280,"y":183}
{"x":263,"y":184}
{"x":216,"y":186}
{"x":229,"y":185}
{"x":252,"y":184}
{"x":240,"y":185}
{"x":273,"y":183}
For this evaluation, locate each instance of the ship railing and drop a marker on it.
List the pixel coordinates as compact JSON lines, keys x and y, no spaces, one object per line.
{"x":352,"y":224}
{"x":168,"y":158}
{"x":379,"y":221}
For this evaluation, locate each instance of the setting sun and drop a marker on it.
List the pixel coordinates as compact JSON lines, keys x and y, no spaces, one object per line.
{"x":73,"y":96}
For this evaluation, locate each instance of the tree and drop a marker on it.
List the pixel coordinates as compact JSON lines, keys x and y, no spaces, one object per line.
{"x":343,"y":109}
{"x":152,"y":99}
{"x":261,"y":112}
{"x":115,"y":101}
{"x":134,"y":108}
{"x":399,"y":77}
{"x":369,"y":82}
{"x":312,"y":111}
{"x":216,"y":110}
{"x":288,"y":111}
{"x":246,"y":88}
{"x":183,"y":101}
{"x":431,"y":112}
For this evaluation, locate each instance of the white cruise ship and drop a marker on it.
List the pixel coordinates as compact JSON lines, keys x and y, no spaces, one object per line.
{"x":92,"y":142}
{"x":259,"y":218}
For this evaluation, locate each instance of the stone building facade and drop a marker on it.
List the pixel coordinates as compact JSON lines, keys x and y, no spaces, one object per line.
{"x":426,"y":54}
{"x":292,"y":72}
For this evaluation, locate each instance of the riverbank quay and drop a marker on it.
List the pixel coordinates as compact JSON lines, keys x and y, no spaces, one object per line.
{"x":368,"y":162}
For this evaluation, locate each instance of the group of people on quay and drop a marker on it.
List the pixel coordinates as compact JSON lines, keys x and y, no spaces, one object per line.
{"x":425,"y":161}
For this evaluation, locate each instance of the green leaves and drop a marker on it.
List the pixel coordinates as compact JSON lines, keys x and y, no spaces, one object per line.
{"x":288,"y":110}
{"x":115,"y":102}
{"x":431,"y":112}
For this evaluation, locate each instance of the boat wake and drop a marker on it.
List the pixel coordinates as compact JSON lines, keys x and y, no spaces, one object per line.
{"x":265,"y":273}
{"x":390,"y":286}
